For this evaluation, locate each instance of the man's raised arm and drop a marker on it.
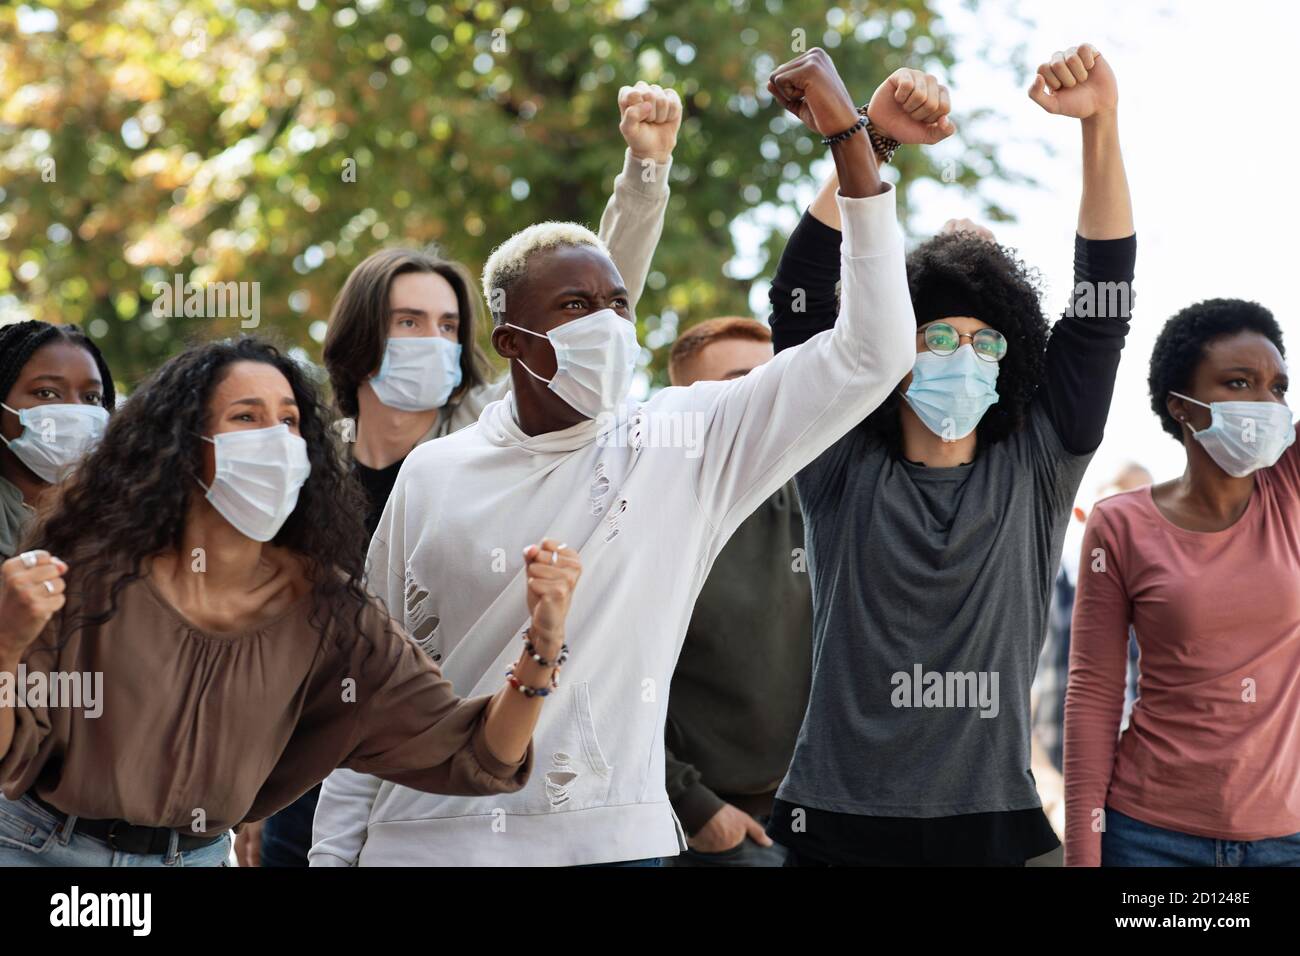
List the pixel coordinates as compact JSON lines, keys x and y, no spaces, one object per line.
{"x":759,"y":430}
{"x":910,"y":107}
{"x":649,"y":118}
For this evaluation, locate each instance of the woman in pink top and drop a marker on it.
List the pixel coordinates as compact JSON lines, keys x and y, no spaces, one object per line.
{"x":1206,"y":568}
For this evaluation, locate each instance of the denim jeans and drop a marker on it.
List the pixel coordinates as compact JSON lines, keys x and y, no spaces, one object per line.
{"x":744,"y":853}
{"x":1129,"y":842}
{"x":32,"y":836}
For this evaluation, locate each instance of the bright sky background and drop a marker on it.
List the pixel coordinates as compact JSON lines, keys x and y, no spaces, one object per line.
{"x":1207,"y":120}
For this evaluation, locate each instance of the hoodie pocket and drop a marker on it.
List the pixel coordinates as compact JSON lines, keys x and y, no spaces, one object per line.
{"x":579,"y":777}
{"x":587,"y":730}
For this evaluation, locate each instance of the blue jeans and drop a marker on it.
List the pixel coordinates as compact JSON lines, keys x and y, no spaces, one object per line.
{"x":1129,"y":842}
{"x":32,"y":836}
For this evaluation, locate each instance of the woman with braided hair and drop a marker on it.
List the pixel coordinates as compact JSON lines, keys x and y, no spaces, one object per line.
{"x":55,"y":396}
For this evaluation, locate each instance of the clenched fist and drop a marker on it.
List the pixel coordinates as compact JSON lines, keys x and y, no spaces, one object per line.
{"x":552,"y":571}
{"x":1075,"y":82}
{"x":968,"y":226}
{"x":31,"y":591}
{"x":650,"y":117}
{"x":810,"y":87}
{"x":912,"y":107}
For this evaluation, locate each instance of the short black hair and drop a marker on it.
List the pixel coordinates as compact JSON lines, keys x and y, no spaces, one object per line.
{"x":963,"y":274}
{"x":1181,"y":345}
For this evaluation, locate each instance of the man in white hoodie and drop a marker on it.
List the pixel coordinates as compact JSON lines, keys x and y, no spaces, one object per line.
{"x":647,"y":493}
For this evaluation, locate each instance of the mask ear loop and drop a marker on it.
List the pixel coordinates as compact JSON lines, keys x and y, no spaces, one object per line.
{"x":1188,"y":398}
{"x":510,"y":325}
{"x":18,"y":414}
{"x":205,"y":488}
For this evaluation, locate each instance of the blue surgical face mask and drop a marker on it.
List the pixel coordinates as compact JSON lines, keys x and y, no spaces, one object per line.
{"x":56,"y":437}
{"x":1244,"y":437}
{"x":417,"y":374}
{"x":951,"y":393}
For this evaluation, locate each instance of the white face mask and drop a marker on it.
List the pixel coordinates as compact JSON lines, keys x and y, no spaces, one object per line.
{"x":1243,"y":437}
{"x":56,"y":437}
{"x":595,"y":358}
{"x":418,"y":374}
{"x":258,"y":476}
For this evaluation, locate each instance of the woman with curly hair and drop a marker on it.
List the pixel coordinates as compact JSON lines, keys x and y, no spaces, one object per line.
{"x":56,"y":394}
{"x":1206,"y":570}
{"x":934,"y":528}
{"x":198,"y":582}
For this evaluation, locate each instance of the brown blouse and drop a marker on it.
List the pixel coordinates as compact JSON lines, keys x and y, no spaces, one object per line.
{"x":202,"y":731}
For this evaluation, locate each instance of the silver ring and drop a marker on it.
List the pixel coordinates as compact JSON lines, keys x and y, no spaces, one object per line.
{"x":555,"y":557}
{"x":28,"y":559}
{"x":49,"y":586}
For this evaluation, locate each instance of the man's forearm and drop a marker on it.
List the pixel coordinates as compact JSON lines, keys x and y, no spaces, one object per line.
{"x":633,"y":220}
{"x":1106,"y":209}
{"x":693,"y":802}
{"x":855,"y":165}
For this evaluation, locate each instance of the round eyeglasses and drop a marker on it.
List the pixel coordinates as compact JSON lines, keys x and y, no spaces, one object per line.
{"x":942,"y":339}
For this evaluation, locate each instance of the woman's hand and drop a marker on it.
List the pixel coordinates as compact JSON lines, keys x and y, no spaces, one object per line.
{"x":553,"y":571}
{"x":912,"y":107}
{"x":31,"y":591}
{"x":1076,"y":82}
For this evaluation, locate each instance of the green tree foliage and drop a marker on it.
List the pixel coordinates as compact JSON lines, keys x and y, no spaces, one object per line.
{"x":282,"y":141}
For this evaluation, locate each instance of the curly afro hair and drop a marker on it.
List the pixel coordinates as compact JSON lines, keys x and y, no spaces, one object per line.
{"x":1181,"y":345}
{"x":962,"y":274}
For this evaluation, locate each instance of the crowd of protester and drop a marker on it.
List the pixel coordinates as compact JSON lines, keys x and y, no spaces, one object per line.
{"x":826,"y":600}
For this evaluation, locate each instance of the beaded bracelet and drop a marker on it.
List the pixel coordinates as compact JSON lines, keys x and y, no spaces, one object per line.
{"x":841,"y":137}
{"x":884,"y":146}
{"x":532,"y":652}
{"x":527,"y":691}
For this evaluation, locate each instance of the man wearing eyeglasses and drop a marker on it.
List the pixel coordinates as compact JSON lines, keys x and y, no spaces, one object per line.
{"x":935,"y":527}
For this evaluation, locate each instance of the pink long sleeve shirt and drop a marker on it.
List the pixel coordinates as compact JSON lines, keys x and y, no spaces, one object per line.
{"x":1213,"y":745}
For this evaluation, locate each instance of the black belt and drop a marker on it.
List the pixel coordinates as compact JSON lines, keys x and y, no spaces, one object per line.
{"x":129,"y":838}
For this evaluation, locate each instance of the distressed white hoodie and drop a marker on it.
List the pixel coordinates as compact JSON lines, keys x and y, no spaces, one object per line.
{"x":648,"y":497}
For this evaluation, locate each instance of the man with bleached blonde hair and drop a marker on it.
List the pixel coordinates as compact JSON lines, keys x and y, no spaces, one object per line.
{"x":565,"y":452}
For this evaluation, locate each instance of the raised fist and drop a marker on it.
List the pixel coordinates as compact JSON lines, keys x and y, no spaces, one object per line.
{"x":650,"y":117}
{"x":552,"y":574}
{"x":1075,"y":82}
{"x":969,"y":226}
{"x":912,"y":107}
{"x":810,"y":88}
